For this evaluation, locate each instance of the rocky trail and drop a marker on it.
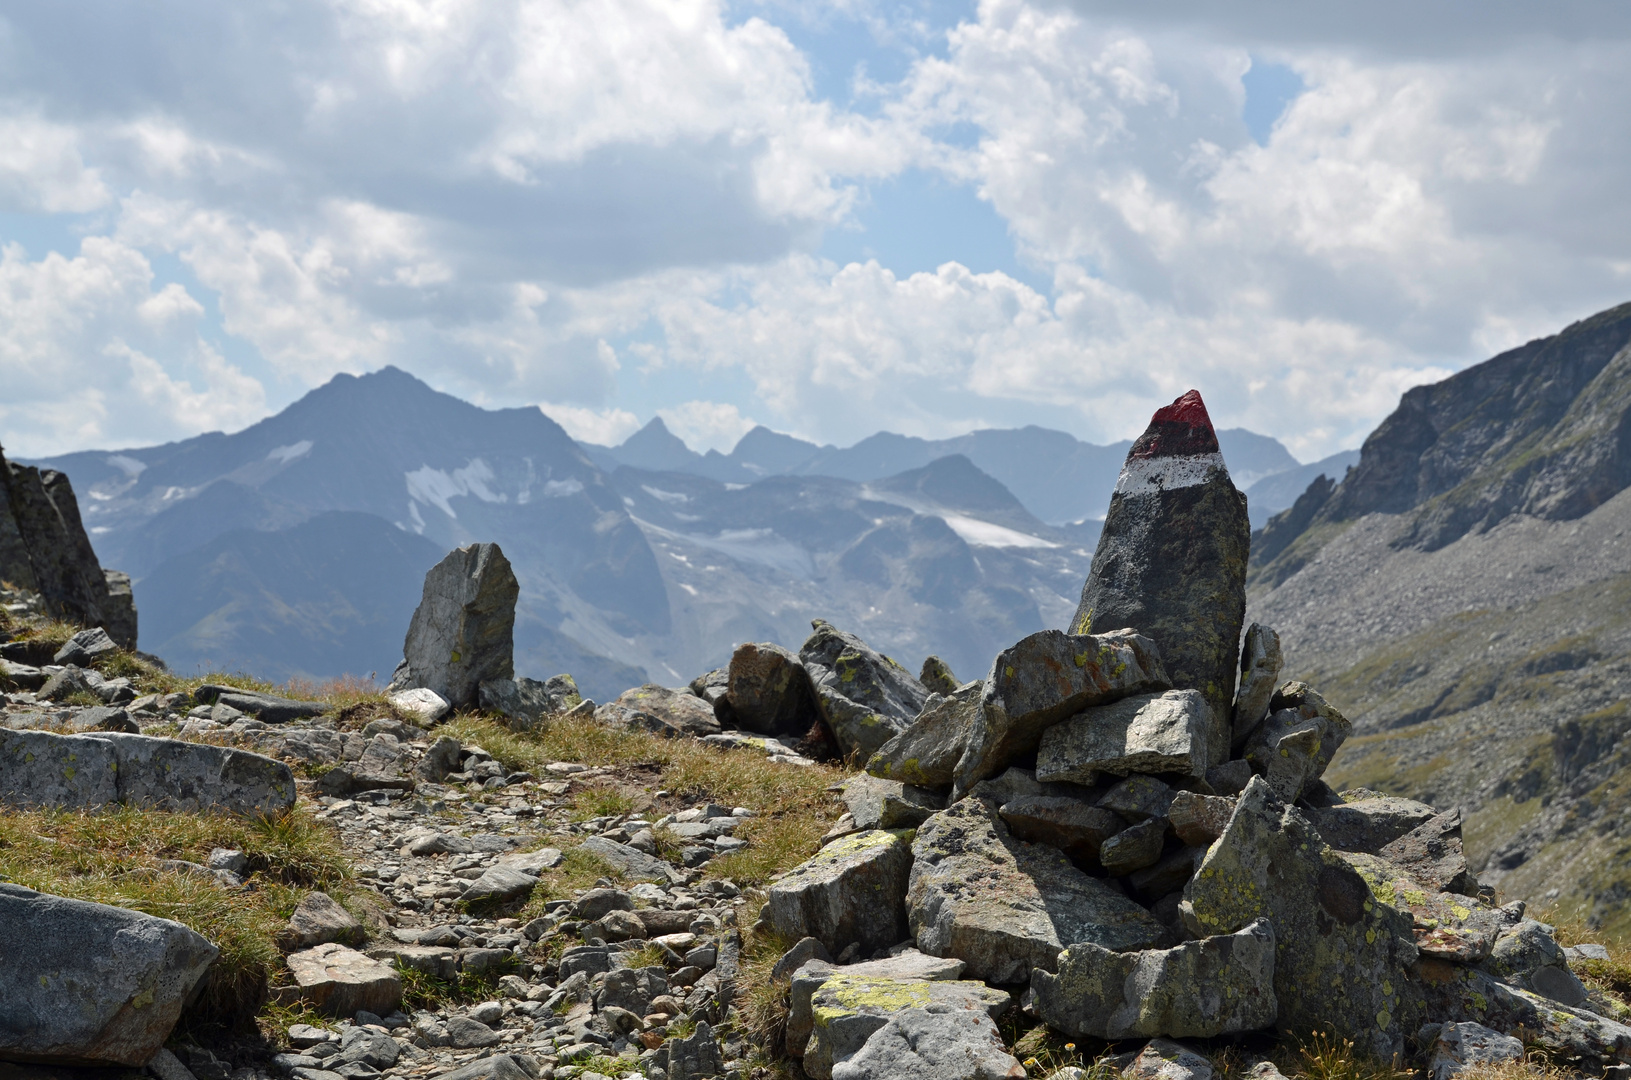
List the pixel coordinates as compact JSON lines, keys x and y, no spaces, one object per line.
{"x":1114,"y":854}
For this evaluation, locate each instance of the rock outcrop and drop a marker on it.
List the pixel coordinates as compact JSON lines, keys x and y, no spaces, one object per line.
{"x":44,"y":549}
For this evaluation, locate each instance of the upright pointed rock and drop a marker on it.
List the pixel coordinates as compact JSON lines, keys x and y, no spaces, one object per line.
{"x":1171,"y":560}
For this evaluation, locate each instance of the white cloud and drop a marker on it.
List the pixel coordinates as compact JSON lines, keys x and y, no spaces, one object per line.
{"x":521,"y":199}
{"x":78,"y":358}
{"x":603,"y":427}
{"x":42,"y":169}
{"x":707,"y":425}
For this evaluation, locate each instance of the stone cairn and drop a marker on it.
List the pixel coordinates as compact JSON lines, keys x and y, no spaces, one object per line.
{"x":1123,"y":831}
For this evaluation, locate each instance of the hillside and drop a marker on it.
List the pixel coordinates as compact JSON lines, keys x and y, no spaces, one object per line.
{"x":1465,"y":596}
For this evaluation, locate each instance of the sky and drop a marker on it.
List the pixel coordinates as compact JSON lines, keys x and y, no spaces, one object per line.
{"x":829,"y":219}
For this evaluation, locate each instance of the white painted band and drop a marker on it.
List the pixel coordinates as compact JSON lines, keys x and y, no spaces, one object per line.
{"x":1146,"y":476}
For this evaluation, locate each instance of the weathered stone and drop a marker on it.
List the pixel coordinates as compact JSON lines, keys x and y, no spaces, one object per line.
{"x":103,"y":718}
{"x":1296,"y":741}
{"x":1432,"y":853}
{"x":597,"y":902}
{"x":1199,"y":819}
{"x":714,"y":687}
{"x":533,"y":862}
{"x":371,"y":1048}
{"x":1046,"y":678}
{"x":425,"y":705}
{"x":585,"y":959}
{"x":620,"y":926}
{"x":909,"y":965}
{"x":497,"y":885}
{"x":1004,"y":906}
{"x":72,"y":771}
{"x":119,"y":609}
{"x":468,"y":1033}
{"x":1460,"y":928}
{"x":927,"y":752}
{"x":938,"y":1042}
{"x":631,"y":862}
{"x":678,"y":709}
{"x":464,"y":628}
{"x":1134,"y":847}
{"x":769,"y":691}
{"x":347,"y":780}
{"x":496,"y":1067}
{"x":61,"y":563}
{"x":888,"y":804}
{"x":88,"y":984}
{"x":1139,"y":798}
{"x":1070,"y":825}
{"x":848,"y":1009}
{"x":441,"y":757}
{"x":1367,"y":820}
{"x":633,"y":989}
{"x":1171,"y":559}
{"x":1260,"y":664}
{"x":865,"y":697}
{"x":1342,"y":956}
{"x":1148,"y":733}
{"x":69,"y":681}
{"x":1465,"y":1045}
{"x":937,"y":678}
{"x":339,"y":981}
{"x":268,"y":708}
{"x":1567,"y":1034}
{"x":1214,"y":986}
{"x":1528,"y":956}
{"x":1163,"y":1059}
{"x":439,"y":963}
{"x":803,"y":951}
{"x":85,"y":647}
{"x":525,"y":701}
{"x":695,"y":1057}
{"x":852,"y":891}
{"x":317,"y":920}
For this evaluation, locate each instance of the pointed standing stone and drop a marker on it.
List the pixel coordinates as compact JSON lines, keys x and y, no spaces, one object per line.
{"x":463,"y":632}
{"x":1171,"y":561}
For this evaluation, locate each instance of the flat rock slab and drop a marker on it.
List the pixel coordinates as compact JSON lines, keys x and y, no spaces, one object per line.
{"x":927,"y":752}
{"x":848,"y":1009}
{"x":876,"y":803}
{"x":1214,"y":986}
{"x":82,"y":771}
{"x":1456,"y":993}
{"x":499,"y":884}
{"x":1367,"y":821}
{"x":1433,"y":854}
{"x":1004,"y":906}
{"x":1343,"y":956}
{"x":532,"y":862}
{"x":937,"y":1042}
{"x":339,"y":981}
{"x":89,"y":984}
{"x":632,"y":861}
{"x":1147,"y":733}
{"x":1460,"y":928}
{"x":1071,"y":825}
{"x":1048,"y":677}
{"x":852,"y":890}
{"x":809,"y":976}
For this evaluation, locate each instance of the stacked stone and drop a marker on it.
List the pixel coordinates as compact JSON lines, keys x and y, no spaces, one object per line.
{"x":1129,"y":822}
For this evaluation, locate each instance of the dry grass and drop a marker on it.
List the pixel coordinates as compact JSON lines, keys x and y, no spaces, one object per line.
{"x":1323,"y":1056}
{"x":761,"y":1003}
{"x":791,"y":804}
{"x":112,"y":858}
{"x":1532,"y":1067}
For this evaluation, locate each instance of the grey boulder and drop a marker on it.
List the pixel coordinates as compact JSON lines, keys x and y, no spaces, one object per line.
{"x":1048,"y":677}
{"x":769,"y":691}
{"x":850,"y":892}
{"x":679,"y":709}
{"x":1071,"y":825}
{"x":88,"y":984}
{"x":927,"y":752}
{"x":1148,"y":733}
{"x":1260,"y":663}
{"x":463,"y":632}
{"x":1005,"y":907}
{"x":1367,"y":820}
{"x":1464,"y":1045}
{"x":85,"y":647}
{"x":811,"y":975}
{"x":1214,"y":986}
{"x":865,"y":697}
{"x":527,"y":701}
{"x":1294,"y":744}
{"x":849,"y":1009}
{"x":935,"y":1042}
{"x":875,"y":803}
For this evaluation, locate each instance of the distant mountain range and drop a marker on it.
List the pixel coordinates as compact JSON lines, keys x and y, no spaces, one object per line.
{"x":297,"y":546}
{"x":1057,"y":477}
